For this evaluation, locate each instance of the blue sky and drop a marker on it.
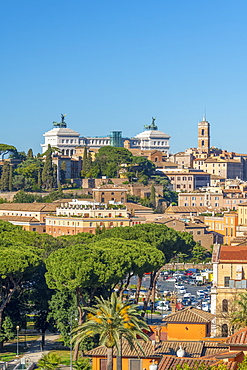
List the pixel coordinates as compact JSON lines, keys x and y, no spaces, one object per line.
{"x":112,"y":65}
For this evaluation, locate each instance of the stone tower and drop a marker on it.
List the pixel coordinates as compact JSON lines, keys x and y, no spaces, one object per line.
{"x":204,"y":136}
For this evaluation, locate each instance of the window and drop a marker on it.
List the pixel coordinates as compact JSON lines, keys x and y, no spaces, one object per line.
{"x":90,"y":224}
{"x":179,"y":178}
{"x":225,"y":305}
{"x":178,"y":186}
{"x":198,"y":232}
{"x":193,"y":198}
{"x":34,"y":228}
{"x":224,"y":330}
{"x":134,"y":364}
{"x":203,"y":132}
{"x":226,"y":281}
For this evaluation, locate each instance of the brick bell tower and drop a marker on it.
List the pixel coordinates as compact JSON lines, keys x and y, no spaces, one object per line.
{"x":204,"y":136}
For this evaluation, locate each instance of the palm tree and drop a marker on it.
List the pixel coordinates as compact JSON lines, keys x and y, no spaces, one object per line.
{"x":50,"y":361}
{"x":239,"y":318}
{"x":112,"y":320}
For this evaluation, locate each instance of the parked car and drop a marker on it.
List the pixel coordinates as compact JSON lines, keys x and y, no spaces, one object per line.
{"x":200,"y":292}
{"x":181,"y":291}
{"x":163,"y":307}
{"x":179,"y":286}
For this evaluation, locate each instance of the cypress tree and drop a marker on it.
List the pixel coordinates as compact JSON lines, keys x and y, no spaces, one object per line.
{"x":153,"y":197}
{"x":47,"y":173}
{"x":10,"y":178}
{"x":30,"y":153}
{"x":63,"y":172}
{"x":5,"y":177}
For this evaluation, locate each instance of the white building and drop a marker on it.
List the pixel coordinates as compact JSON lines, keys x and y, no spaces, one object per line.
{"x":66,"y":140}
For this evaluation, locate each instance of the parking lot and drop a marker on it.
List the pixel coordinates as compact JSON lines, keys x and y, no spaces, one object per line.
{"x":188,"y":293}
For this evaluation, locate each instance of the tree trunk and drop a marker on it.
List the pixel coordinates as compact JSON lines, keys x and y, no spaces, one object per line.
{"x":43,"y":338}
{"x":138,"y":288}
{"x":153,"y":280}
{"x":119,"y":355}
{"x":109,"y":364}
{"x":76,"y":349}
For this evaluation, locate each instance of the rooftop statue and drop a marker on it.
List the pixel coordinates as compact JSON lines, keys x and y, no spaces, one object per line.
{"x":61,"y":124}
{"x":152,"y":126}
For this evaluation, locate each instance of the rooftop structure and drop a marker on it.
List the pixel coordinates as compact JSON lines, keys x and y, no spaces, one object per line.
{"x":66,"y":140}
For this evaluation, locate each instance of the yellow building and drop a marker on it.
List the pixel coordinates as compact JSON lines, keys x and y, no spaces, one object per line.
{"x":242,"y":214}
{"x":230,"y":272}
{"x":225,"y":225}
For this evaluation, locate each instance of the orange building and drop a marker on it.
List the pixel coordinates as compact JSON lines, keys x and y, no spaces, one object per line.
{"x":187,"y":324}
{"x":155,"y":352}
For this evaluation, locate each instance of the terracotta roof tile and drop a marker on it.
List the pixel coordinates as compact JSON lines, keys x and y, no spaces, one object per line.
{"x":35,"y":207}
{"x":238,"y":338}
{"x":193,"y":349}
{"x":233,"y":253}
{"x":190,"y":315}
{"x":171,"y":363}
{"x":186,"y":209}
{"x":19,"y":218}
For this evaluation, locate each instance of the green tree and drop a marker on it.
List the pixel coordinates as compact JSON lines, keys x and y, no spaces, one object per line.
{"x":18,"y":182}
{"x":30,"y":153}
{"x":153,"y":197}
{"x":239,"y":317}
{"x":113,"y":321}
{"x":47,"y":173}
{"x":165,"y":239}
{"x":17,"y":262}
{"x":10,"y":178}
{"x":63,"y":172}
{"x":50,"y":361}
{"x":5,"y":149}
{"x":198,"y":253}
{"x":5,"y":176}
{"x":82,"y":364}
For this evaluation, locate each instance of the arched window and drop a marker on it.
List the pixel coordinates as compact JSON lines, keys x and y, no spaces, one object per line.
{"x":203,"y":132}
{"x":203,"y":143}
{"x":224,"y":330}
{"x":225,"y":305}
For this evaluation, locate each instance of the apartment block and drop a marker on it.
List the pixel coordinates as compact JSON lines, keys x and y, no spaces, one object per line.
{"x":80,"y":216}
{"x":199,"y":199}
{"x":188,"y":180}
{"x":108,"y":193}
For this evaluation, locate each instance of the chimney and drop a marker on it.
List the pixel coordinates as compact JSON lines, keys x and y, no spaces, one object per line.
{"x":157,"y":334}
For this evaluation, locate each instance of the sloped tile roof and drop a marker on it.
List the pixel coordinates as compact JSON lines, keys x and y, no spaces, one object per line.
{"x":193,"y":349}
{"x":186,"y":209}
{"x":19,"y":219}
{"x":238,"y":338}
{"x":32,"y":207}
{"x":190,"y":315}
{"x":233,"y":253}
{"x":171,"y":363}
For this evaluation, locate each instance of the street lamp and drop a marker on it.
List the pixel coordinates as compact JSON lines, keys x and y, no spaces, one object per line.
{"x":17,"y":343}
